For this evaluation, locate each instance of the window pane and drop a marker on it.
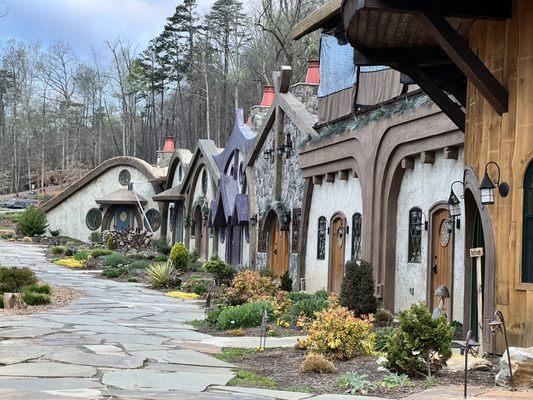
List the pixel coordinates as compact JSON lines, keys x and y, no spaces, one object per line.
{"x":415,"y":235}
{"x":356,"y":236}
{"x":527,"y":235}
{"x":321,"y":239}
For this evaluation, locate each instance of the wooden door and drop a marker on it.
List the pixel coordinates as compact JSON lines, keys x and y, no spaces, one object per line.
{"x":442,"y":256}
{"x":122,"y":218}
{"x":278,"y":251}
{"x":233,"y":245}
{"x":336,"y":254}
{"x":199,"y":234}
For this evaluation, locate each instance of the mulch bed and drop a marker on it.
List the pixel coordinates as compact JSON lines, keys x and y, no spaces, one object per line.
{"x":283,"y":365}
{"x":61,"y":296}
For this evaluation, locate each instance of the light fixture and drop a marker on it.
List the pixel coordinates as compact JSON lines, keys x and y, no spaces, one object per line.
{"x":454,"y":208}
{"x":487,"y":186}
{"x":287,"y":148}
{"x":497,"y":325}
{"x":269,"y":155}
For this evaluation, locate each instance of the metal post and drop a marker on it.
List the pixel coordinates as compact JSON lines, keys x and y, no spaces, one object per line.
{"x":468,"y":337}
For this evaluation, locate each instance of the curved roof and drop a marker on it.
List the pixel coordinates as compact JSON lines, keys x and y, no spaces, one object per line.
{"x":150,"y":171}
{"x":180,"y":155}
{"x":241,"y":138}
{"x":205,"y":149}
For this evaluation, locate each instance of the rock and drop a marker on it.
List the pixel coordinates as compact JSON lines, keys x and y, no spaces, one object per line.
{"x":26,"y":239}
{"x":522,"y":365}
{"x":7,"y":232}
{"x":457,"y":363}
{"x":13,"y":301}
{"x":381,"y":360}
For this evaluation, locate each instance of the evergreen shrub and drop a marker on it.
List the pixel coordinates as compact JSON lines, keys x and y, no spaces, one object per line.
{"x":244,"y":316}
{"x":12,"y":280}
{"x":357,"y":289}
{"x":179,"y":255}
{"x":32,"y":222}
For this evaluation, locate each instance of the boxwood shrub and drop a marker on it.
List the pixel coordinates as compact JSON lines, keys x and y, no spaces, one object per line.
{"x":115,"y":259}
{"x":244,"y":316}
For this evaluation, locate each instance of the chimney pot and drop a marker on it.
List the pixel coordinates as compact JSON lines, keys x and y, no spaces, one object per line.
{"x":268,"y":96}
{"x":169,"y":145}
{"x":313,"y":75}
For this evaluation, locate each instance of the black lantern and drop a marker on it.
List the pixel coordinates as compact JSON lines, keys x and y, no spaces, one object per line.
{"x":487,"y":186}
{"x":454,"y":207}
{"x":287,"y":148}
{"x":269,"y":155}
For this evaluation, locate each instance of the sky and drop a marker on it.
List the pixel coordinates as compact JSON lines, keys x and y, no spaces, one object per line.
{"x":86,"y":24}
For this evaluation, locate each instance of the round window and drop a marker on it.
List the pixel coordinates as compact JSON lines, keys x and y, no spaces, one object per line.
{"x":93,"y":219}
{"x":154,"y":218}
{"x":204,"y":182}
{"x":124,"y":177}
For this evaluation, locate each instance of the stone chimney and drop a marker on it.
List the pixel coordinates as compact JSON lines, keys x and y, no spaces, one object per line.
{"x":164,"y":156}
{"x":306,"y":92}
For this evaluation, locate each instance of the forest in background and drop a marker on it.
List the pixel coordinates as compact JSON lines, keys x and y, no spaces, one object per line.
{"x":61,"y":115}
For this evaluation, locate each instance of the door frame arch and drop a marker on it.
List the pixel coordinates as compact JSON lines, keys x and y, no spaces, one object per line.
{"x":109,"y":214}
{"x":335,"y":216}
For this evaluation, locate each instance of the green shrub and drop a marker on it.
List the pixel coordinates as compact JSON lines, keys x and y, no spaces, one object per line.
{"x":212,"y":317}
{"x":357,"y":289}
{"x":383,"y":336}
{"x":44,"y":289}
{"x":160,"y":258}
{"x":12,"y":280}
{"x":95,"y":237}
{"x":200,"y":288}
{"x":54,"y":232}
{"x":32,"y":222}
{"x":418,"y":341}
{"x":115,"y":260}
{"x":139,"y":264}
{"x":58,"y":249}
{"x":179,"y":255}
{"x":35,"y":299}
{"x":100,"y":252}
{"x":1,"y":301}
{"x":160,"y":274}
{"x":81,"y":255}
{"x":307,"y":307}
{"x":194,"y":262}
{"x":286,"y":282}
{"x":244,"y":316}
{"x":297,"y":296}
{"x":265,"y":271}
{"x":162,"y":246}
{"x":114,"y":272}
{"x":221,"y":271}
{"x":110,"y":242}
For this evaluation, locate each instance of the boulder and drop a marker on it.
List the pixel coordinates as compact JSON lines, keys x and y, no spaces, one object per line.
{"x":13,"y":301}
{"x":26,"y":239}
{"x":457,"y":363}
{"x":7,"y":232}
{"x":522,"y":365}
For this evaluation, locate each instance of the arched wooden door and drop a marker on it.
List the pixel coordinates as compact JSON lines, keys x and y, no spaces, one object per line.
{"x":278,"y":251}
{"x":234,"y":244}
{"x":200,"y":234}
{"x":441,"y":268}
{"x":337,"y":245}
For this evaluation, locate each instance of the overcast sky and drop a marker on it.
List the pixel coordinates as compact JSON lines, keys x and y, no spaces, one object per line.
{"x":86,"y":23}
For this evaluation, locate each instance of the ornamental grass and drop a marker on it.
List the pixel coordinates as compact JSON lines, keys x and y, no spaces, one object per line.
{"x":70,"y":262}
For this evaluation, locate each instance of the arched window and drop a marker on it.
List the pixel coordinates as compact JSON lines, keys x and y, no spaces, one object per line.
{"x":527,"y":230}
{"x":204,"y":182}
{"x":321,"y":239}
{"x":357,"y":220}
{"x":415,"y":234}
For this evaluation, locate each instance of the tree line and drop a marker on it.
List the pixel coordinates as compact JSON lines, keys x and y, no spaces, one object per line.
{"x":61,"y":114}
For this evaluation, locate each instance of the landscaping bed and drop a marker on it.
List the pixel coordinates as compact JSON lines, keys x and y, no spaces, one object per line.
{"x":280,"y":369}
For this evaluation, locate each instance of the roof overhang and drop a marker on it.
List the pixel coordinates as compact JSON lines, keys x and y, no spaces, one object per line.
{"x":327,"y":15}
{"x":169,"y":195}
{"x":427,"y":41}
{"x":122,"y":197}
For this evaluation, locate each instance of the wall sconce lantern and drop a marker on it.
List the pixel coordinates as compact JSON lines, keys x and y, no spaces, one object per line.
{"x":285,"y":148}
{"x":497,"y":325}
{"x":487,"y":186}
{"x":453,"y":202}
{"x":253,"y":220}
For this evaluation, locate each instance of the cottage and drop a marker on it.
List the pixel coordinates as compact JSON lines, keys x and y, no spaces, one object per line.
{"x":229,"y":209}
{"x":116,"y":195}
{"x":198,"y":190}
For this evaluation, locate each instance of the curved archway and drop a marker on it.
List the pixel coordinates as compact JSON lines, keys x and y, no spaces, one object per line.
{"x":277,"y":241}
{"x":110,"y":213}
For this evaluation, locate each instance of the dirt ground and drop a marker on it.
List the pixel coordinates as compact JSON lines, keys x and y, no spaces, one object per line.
{"x":283,"y":365}
{"x":61,"y":296}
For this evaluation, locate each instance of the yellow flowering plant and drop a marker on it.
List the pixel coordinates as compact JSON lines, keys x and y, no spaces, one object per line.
{"x":182,"y":295}
{"x":248,"y":286}
{"x":70,"y":263}
{"x":338,"y":333}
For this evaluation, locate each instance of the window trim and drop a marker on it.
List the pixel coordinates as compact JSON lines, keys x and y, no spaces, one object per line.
{"x":528,"y":191}
{"x":409,"y":236}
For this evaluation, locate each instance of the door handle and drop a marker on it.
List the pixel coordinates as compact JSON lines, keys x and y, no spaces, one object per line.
{"x":434,"y":268}
{"x":275,"y":252}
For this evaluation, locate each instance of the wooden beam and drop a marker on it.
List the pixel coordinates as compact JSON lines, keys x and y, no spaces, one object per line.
{"x":330,"y":177}
{"x":451,"y":153}
{"x":467,"y":61}
{"x":427,"y":157}
{"x":317,"y":19}
{"x":408,"y":163}
{"x":283,"y":83}
{"x":476,"y":9}
{"x":343,"y":176}
{"x":317,"y":180}
{"x":441,"y":99}
{"x":431,"y":55}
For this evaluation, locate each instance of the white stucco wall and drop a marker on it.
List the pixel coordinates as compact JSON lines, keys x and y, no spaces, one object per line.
{"x":422,"y":187}
{"x":328,"y":199}
{"x":197,"y":193}
{"x":69,"y":216}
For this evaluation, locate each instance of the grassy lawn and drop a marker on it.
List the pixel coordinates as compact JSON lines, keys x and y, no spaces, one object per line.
{"x":247,"y":378}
